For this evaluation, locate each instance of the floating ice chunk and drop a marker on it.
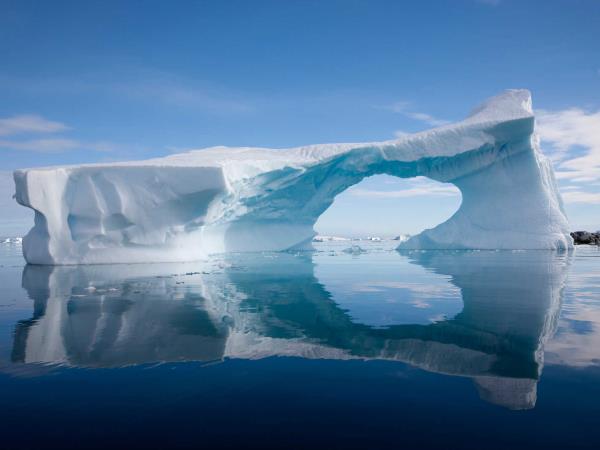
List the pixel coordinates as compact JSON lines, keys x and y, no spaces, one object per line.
{"x":354,"y":250}
{"x":11,"y":240}
{"x":320,"y":238}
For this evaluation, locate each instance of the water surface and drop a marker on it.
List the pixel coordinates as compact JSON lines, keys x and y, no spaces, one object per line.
{"x":310,"y":350}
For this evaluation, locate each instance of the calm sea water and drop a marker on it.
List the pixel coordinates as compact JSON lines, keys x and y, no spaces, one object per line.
{"x":312,"y":350}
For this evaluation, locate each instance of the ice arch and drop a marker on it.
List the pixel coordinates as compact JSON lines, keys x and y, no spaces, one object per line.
{"x":246,"y":199}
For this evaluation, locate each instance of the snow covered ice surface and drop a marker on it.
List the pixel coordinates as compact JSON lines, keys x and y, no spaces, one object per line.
{"x":186,"y":206}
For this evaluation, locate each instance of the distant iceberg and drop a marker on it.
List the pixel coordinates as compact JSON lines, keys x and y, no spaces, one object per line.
{"x":185,"y":206}
{"x":322,"y":238}
{"x":11,"y":240}
{"x":354,"y":250}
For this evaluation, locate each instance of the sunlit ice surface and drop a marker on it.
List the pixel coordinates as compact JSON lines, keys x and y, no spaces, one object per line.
{"x":352,"y":344}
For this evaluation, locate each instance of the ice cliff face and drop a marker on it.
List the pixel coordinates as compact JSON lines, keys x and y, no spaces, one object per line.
{"x":220,"y":199}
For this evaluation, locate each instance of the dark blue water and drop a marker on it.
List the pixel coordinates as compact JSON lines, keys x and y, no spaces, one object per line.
{"x":310,"y":350}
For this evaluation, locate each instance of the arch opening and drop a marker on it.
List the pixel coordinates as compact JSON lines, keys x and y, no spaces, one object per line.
{"x":386,"y":206}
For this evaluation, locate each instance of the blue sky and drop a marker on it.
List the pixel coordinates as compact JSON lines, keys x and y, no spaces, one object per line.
{"x":106,"y":81}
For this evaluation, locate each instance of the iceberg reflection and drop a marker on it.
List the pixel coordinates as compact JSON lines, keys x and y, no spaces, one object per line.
{"x":256,"y":306}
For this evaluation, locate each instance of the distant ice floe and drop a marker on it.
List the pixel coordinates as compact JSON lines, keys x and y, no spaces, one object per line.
{"x":11,"y":240}
{"x":321,"y":238}
{"x":354,"y":250}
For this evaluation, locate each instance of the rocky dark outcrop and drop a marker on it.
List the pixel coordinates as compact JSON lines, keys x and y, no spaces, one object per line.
{"x":585,"y":237}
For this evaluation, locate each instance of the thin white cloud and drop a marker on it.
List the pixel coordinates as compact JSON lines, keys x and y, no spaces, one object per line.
{"x":404,"y":109}
{"x":571,"y":137}
{"x":567,"y":128}
{"x":172,"y":92}
{"x":398,"y":107}
{"x":51,"y":145}
{"x":418,"y":187}
{"x":400,"y":134}
{"x":54,"y":145}
{"x":29,"y":123}
{"x":427,"y":118}
{"x":19,"y":131}
{"x":573,"y":196}
{"x":141,"y":85}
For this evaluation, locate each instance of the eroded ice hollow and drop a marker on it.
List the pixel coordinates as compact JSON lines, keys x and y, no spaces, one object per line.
{"x":185,"y":206}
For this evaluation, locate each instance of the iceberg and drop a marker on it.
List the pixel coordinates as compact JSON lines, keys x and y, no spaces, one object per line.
{"x":321,"y":238}
{"x":186,"y":206}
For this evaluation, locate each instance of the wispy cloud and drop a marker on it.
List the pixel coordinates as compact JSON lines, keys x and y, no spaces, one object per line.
{"x":142,"y":85}
{"x":418,"y":187}
{"x":41,"y":145}
{"x":405,"y":109}
{"x":171,"y":91}
{"x":571,"y":137}
{"x":54,"y":145}
{"x":400,"y":133}
{"x":565,"y":129}
{"x":577,"y":196}
{"x":29,"y":123}
{"x":21,"y":134}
